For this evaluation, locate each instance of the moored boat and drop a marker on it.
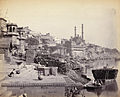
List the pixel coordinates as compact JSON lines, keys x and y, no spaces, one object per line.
{"x":105,"y":73}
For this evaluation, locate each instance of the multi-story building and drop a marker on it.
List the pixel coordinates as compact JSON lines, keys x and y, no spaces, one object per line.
{"x":47,"y":39}
{"x":12,"y":35}
{"x":74,"y":47}
{"x":3,"y":27}
{"x":22,"y":37}
{"x":8,"y":38}
{"x":46,"y":42}
{"x":78,"y":45}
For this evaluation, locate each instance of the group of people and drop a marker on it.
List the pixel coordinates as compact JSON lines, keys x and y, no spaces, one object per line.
{"x":74,"y":92}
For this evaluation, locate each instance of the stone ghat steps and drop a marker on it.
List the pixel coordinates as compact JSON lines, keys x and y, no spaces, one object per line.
{"x":6,"y":94}
{"x":33,"y":84}
{"x":41,"y":84}
{"x":2,"y":90}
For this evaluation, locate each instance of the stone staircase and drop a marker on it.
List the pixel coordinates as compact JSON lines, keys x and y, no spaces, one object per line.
{"x":4,"y":92}
{"x":5,"y":69}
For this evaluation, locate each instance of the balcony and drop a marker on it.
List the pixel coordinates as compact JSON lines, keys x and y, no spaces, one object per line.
{"x":11,"y":34}
{"x":22,"y":37}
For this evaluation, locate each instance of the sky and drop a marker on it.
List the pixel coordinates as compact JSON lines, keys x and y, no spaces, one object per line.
{"x":58,"y":17}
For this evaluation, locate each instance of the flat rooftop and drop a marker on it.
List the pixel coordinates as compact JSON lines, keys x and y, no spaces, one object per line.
{"x":29,"y":77}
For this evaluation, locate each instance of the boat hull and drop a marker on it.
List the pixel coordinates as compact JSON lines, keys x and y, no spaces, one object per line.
{"x":105,"y":73}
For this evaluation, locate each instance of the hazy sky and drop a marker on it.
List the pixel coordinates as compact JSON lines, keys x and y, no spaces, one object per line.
{"x":59,"y":17}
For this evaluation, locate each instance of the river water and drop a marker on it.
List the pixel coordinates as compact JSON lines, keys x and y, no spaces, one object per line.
{"x":111,"y":90}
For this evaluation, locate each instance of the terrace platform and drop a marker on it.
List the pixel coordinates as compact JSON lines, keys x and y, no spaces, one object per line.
{"x":27,"y":82}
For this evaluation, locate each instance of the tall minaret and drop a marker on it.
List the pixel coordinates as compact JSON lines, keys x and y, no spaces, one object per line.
{"x":82,"y":33}
{"x":75,"y":30}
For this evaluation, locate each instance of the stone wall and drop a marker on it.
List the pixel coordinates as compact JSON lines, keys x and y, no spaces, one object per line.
{"x":30,"y":54}
{"x":2,"y":69}
{"x":43,"y":91}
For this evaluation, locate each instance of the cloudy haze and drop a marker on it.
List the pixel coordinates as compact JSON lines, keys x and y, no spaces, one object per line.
{"x":60,"y":17}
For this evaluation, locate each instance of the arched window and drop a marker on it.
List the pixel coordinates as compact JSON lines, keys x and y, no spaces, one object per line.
{"x":13,"y":29}
{"x":10,"y":29}
{"x":7,"y":28}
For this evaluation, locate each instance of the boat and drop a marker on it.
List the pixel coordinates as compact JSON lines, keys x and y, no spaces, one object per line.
{"x":105,"y":73}
{"x":97,"y":88}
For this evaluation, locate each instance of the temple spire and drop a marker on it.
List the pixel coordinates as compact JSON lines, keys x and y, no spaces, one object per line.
{"x":75,"y":30}
{"x":82,"y":33}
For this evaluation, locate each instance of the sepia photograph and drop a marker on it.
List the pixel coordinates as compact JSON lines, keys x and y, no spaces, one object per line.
{"x":59,"y":48}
